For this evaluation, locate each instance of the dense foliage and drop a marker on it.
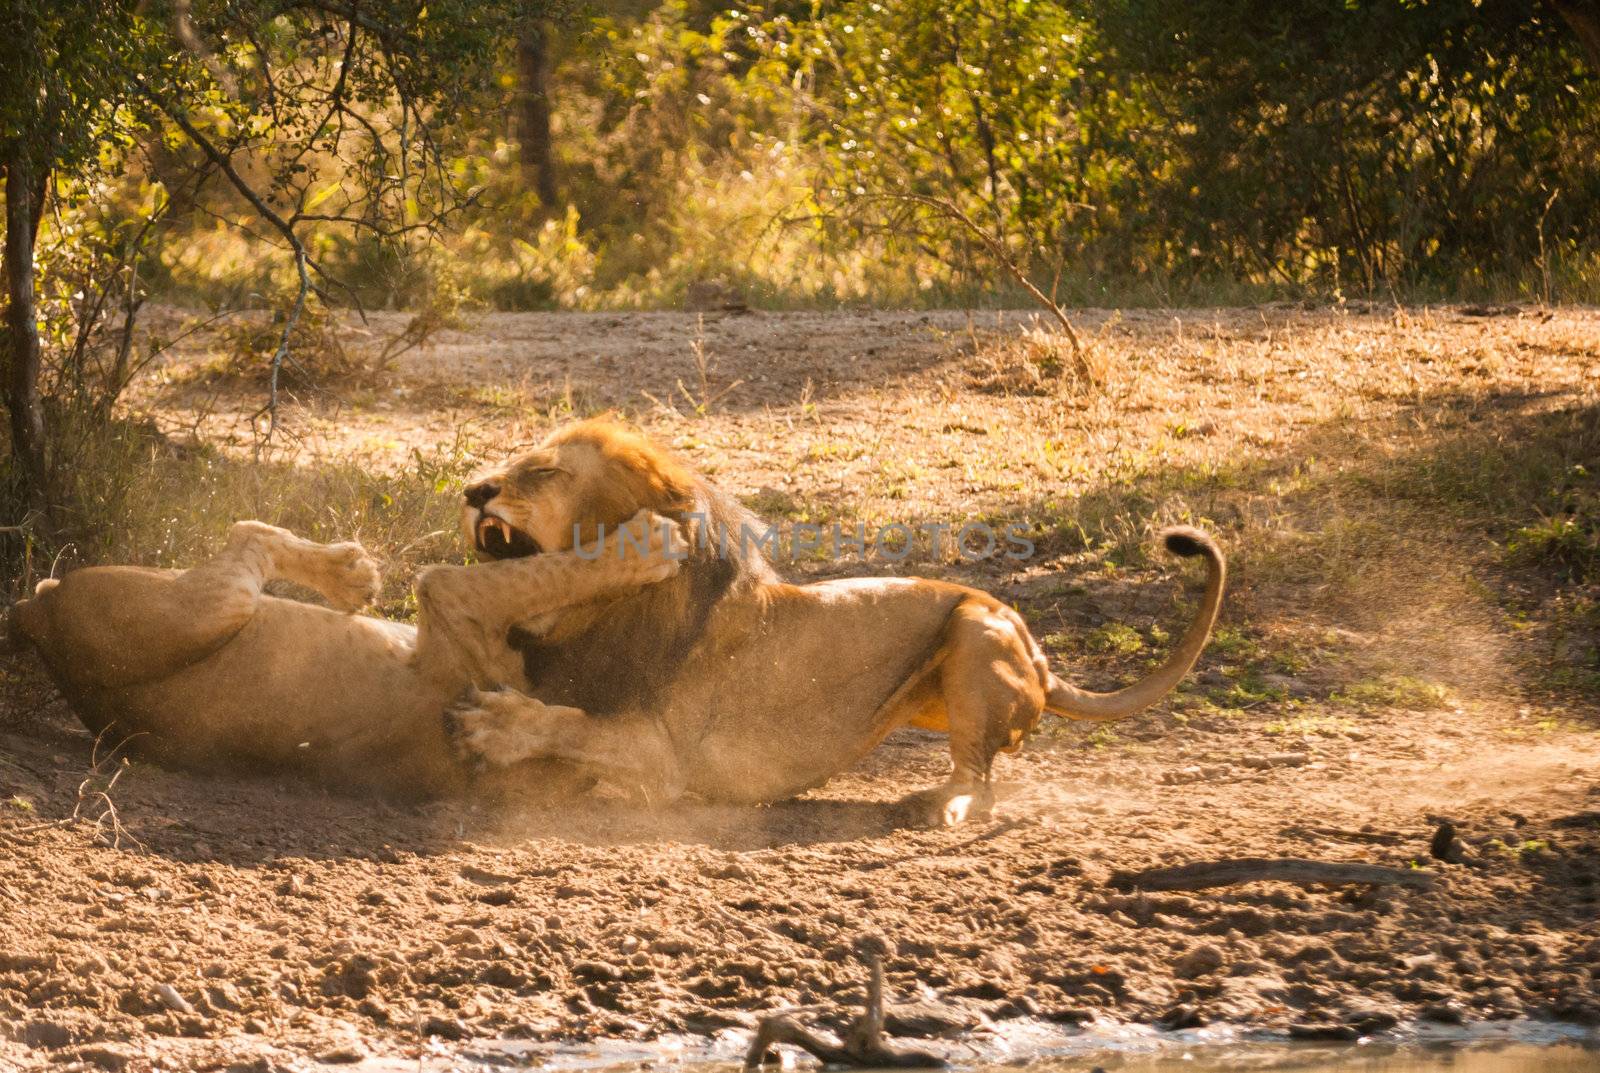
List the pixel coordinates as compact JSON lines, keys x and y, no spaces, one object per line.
{"x":306,"y":114}
{"x":1365,"y":144}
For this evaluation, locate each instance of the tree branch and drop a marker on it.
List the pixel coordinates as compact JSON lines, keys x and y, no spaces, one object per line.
{"x":998,"y":252}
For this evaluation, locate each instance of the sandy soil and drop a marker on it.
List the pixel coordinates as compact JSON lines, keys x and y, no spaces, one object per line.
{"x":258,"y":921}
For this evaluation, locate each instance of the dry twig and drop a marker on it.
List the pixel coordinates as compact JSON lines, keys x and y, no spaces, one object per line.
{"x":95,"y":789}
{"x":863,"y":1046}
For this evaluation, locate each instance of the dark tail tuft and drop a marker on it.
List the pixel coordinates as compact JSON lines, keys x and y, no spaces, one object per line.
{"x":1188,"y":542}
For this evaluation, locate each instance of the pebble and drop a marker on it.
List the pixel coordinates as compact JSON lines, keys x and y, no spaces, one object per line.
{"x":1323,"y":1031}
{"x":1180,"y":1017}
{"x":1200,"y":960}
{"x":223,"y":996}
{"x":445,"y":1028}
{"x":1443,"y":1013}
{"x":46,"y":1034}
{"x":109,"y":1058}
{"x":344,"y":1054}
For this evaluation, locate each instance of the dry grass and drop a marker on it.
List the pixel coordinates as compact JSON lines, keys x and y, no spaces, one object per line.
{"x":1405,"y":494}
{"x":1036,"y":361}
{"x":138,"y":496}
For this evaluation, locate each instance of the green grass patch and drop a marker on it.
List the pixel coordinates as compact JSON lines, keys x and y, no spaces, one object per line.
{"x":1115,"y":638}
{"x":1394,"y":691}
{"x":1312,"y":724}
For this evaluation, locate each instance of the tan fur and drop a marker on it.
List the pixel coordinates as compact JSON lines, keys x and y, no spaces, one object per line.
{"x":200,"y":668}
{"x":780,"y":686}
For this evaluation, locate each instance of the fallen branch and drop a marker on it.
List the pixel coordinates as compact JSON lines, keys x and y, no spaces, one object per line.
{"x":1203,"y":874}
{"x":863,"y":1046}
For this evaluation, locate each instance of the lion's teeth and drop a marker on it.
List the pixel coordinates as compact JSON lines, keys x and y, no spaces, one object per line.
{"x":505,"y":529}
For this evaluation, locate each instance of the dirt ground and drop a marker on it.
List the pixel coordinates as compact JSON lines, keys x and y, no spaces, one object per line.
{"x":1381,"y":671}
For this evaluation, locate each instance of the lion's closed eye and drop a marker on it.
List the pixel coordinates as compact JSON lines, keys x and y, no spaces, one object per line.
{"x":538,"y":475}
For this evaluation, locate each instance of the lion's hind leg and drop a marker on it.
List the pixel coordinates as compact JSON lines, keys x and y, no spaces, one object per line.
{"x":343,"y":574}
{"x":990,"y":695}
{"x":501,"y":727}
{"x":117,"y":626}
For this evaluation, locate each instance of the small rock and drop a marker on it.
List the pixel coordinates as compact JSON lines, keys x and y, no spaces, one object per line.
{"x":596,"y":972}
{"x":1323,"y":1031}
{"x":445,"y":1028}
{"x":223,"y":996}
{"x":1369,"y":1021}
{"x":374,"y":1009}
{"x":1199,"y":961}
{"x":484,"y":877}
{"x":1445,"y":846}
{"x":114,"y":1059}
{"x":46,"y":1034}
{"x":344,"y":1054}
{"x":1013,"y":1008}
{"x":1443,"y":1013}
{"x":1180,"y":1017}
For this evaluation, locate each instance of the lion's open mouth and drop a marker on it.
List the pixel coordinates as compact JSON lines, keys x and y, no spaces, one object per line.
{"x":499,"y":539}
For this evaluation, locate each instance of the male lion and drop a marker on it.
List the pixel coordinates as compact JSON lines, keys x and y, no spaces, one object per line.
{"x":729,"y":684}
{"x":202,"y":669}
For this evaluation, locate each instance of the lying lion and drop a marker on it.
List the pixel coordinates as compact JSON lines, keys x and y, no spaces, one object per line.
{"x":200,"y":668}
{"x":729,"y":684}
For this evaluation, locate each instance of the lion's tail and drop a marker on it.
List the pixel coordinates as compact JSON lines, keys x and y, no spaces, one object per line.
{"x":1074,"y":703}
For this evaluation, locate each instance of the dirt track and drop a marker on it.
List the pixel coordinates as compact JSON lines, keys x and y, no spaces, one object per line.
{"x":264,"y":919}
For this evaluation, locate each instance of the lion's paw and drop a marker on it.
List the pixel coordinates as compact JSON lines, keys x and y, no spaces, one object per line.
{"x":349,"y":577}
{"x":654,"y":540}
{"x":949,"y":805}
{"x":499,"y":727}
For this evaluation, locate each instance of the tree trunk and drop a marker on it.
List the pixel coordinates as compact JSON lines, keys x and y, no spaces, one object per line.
{"x":1583,"y":19}
{"x":22,"y":371}
{"x":533,"y":113}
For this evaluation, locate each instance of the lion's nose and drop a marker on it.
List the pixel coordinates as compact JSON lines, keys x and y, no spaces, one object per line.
{"x":480,"y":493}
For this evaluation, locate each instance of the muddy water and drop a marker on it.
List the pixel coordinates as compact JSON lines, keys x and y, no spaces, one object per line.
{"x":1516,"y":1047}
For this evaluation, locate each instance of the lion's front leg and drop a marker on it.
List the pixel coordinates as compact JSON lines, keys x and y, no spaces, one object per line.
{"x":465,"y":612}
{"x":502,"y":727}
